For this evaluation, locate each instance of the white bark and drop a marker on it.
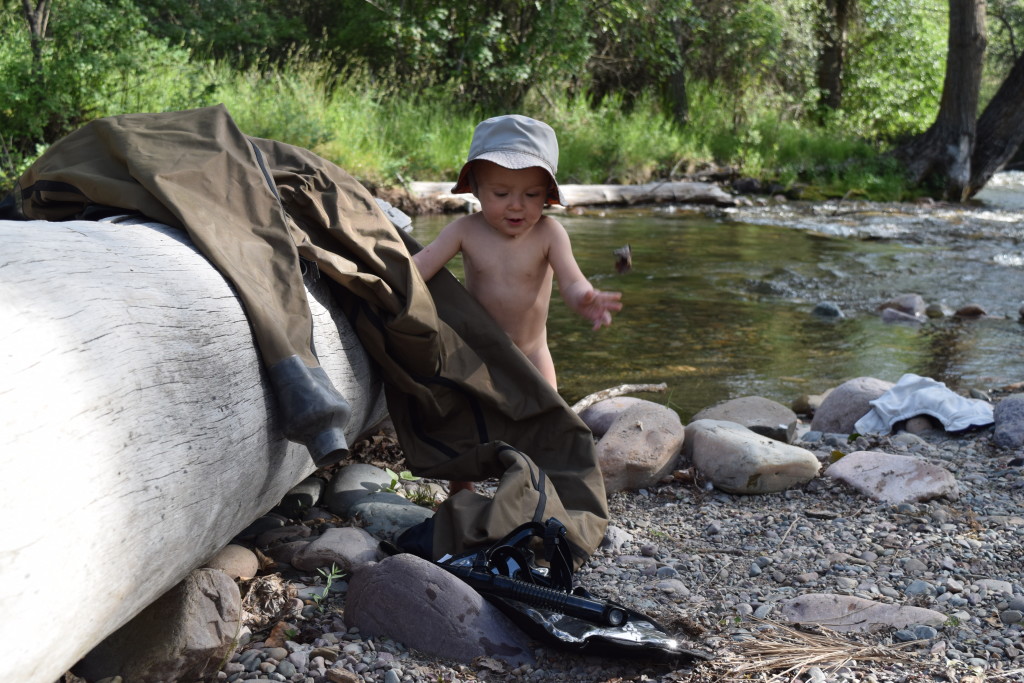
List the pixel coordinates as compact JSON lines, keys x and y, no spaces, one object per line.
{"x":137,"y":433}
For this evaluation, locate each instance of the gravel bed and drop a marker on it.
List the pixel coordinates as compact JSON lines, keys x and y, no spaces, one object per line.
{"x":713,"y":567}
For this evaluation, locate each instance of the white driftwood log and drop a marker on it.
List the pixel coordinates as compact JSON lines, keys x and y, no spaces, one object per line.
{"x":677,"y":191}
{"x":137,"y":430}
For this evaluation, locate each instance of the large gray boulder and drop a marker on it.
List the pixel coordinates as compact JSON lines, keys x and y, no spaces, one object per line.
{"x":737,"y":460}
{"x":600,"y":416}
{"x":352,"y":484}
{"x":183,"y":636}
{"x":893,"y":478}
{"x":846,"y":613}
{"x":758,"y":414}
{"x":425,"y":608}
{"x":1009,"y":422}
{"x":641,"y":447}
{"x":347,"y":547}
{"x":847,"y":403}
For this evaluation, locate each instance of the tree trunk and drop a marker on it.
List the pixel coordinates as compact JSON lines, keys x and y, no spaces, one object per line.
{"x":675,"y":87}
{"x":942,"y":154}
{"x":832,"y":31}
{"x":1000,"y":130}
{"x":138,"y":428}
{"x":37,"y":19}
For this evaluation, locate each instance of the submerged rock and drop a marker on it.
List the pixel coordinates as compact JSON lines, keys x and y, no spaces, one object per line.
{"x":908,"y":304}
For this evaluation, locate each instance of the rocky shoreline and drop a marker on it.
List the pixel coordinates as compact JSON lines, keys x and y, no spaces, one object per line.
{"x":720,"y":570}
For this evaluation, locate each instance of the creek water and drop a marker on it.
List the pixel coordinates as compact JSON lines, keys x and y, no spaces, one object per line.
{"x":719,"y":303}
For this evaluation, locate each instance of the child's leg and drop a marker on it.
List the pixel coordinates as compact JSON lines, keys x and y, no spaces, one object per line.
{"x":541,"y":359}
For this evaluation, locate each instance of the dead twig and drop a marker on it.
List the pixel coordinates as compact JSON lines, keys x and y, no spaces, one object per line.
{"x":620,"y":390}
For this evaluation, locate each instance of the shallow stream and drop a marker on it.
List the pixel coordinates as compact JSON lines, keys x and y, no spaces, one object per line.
{"x":718,"y":304}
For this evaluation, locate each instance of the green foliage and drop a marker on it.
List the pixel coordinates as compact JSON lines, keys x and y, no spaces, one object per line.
{"x":289,"y":103}
{"x":609,"y":143}
{"x":488,"y":54}
{"x":95,"y":60}
{"x":330,"y":576}
{"x":894,"y":78}
{"x":397,"y":478}
{"x":1005,"y":43}
{"x":241,"y":32}
{"x":1005,"y":33}
{"x":391,"y":90}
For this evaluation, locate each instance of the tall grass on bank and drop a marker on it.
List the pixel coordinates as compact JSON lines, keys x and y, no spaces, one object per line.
{"x":375,"y":132}
{"x":385,"y":136}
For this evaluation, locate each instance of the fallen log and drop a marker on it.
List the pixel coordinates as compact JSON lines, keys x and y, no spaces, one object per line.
{"x":137,"y":427}
{"x":680,"y":192}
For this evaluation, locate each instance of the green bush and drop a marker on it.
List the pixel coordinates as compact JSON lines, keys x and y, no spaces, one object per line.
{"x":96,"y":60}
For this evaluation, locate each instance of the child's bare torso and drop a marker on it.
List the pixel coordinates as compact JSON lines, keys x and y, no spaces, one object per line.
{"x":512,"y":278}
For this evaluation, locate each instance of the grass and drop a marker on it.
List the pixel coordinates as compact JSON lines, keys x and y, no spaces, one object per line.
{"x":783,"y":653}
{"x":385,"y":136}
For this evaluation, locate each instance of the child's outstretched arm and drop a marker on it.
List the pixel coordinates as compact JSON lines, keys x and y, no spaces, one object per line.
{"x":597,"y":306}
{"x":438,"y":253}
{"x":593,"y":304}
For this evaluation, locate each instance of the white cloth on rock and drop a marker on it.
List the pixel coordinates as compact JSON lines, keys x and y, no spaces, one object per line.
{"x":914,"y":395}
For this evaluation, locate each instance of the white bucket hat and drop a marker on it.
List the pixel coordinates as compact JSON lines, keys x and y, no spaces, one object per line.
{"x":514,"y":142}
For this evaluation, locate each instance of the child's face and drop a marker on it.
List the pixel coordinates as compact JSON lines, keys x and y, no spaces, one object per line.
{"x":512,"y":201}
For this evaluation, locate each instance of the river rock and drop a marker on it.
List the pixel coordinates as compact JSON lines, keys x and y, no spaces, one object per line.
{"x":347,"y":547}
{"x":284,"y":534}
{"x":846,"y":613}
{"x":891,"y":315}
{"x":425,"y":608}
{"x":640,"y":447}
{"x":827,"y":310}
{"x":737,"y":460}
{"x":908,"y":304}
{"x":386,"y":514}
{"x":285,"y":552}
{"x":354,"y":483}
{"x":894,"y":478}
{"x":847,"y":403}
{"x":600,"y":416}
{"x":808,"y":404}
{"x":302,"y":496}
{"x":1009,"y":422}
{"x":760,"y":415}
{"x":236,"y":561}
{"x":262,"y":525}
{"x":182,"y":636}
{"x":970,"y":311}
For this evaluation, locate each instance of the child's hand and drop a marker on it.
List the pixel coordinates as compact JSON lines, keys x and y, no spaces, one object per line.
{"x":597,"y":306}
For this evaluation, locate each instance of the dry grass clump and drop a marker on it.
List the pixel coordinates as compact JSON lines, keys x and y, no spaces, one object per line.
{"x":783,"y":653}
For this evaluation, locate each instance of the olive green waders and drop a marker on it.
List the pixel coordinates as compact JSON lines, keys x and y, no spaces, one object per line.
{"x":466,"y":404}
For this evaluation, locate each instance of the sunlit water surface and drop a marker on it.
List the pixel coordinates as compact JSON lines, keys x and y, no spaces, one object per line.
{"x":718,"y":304}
